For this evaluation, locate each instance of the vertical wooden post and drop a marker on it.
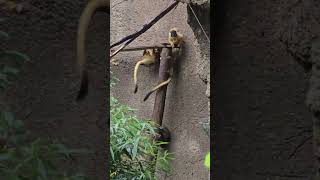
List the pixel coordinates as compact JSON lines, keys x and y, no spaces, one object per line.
{"x":164,"y":74}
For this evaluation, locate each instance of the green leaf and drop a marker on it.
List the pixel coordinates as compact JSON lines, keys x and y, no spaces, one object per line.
{"x":10,"y":71}
{"x":42,"y":170}
{"x":5,"y":156}
{"x":3,"y":77}
{"x":8,"y":116}
{"x":135,"y":148}
{"x":3,"y":19}
{"x":207,"y":161}
{"x":112,"y":154}
{"x":4,"y":35}
{"x":17,"y":56}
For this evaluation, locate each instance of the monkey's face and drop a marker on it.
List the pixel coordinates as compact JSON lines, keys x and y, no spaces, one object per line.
{"x":148,"y":52}
{"x":173,"y":33}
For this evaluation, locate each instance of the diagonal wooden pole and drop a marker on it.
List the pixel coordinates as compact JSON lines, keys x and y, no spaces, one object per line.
{"x":160,"y":99}
{"x":164,"y":74}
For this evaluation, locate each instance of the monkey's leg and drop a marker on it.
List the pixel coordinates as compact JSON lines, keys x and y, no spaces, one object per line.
{"x":156,"y":88}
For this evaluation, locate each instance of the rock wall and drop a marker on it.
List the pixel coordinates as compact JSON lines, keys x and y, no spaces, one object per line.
{"x":263,"y":126}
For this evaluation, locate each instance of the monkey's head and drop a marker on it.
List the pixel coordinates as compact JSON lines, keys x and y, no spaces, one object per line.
{"x":148,"y":52}
{"x":173,"y":32}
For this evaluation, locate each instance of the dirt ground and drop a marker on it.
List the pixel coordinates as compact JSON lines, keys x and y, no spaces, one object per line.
{"x":262,"y":126}
{"x":44,"y":95}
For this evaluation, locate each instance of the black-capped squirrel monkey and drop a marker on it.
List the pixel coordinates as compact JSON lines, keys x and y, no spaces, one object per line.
{"x":149,"y":57}
{"x":175,"y":37}
{"x":92,"y":7}
{"x":175,"y":40}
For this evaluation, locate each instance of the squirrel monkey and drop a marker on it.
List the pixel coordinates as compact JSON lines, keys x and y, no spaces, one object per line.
{"x":149,"y":57}
{"x":88,"y":12}
{"x":175,"y":39}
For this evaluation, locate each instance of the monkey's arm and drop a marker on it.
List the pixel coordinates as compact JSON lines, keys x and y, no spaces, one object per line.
{"x":156,"y":88}
{"x":85,"y":18}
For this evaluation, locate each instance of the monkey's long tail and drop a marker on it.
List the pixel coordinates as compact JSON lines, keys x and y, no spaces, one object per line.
{"x":156,"y":88}
{"x":135,"y":75}
{"x":85,"y":18}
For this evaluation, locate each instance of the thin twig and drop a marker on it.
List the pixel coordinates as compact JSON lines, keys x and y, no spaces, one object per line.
{"x":199,"y":23}
{"x":138,"y":48}
{"x":145,"y":27}
{"x":304,"y":141}
{"x":118,"y":3}
{"x":121,"y":47}
{"x":299,"y":134}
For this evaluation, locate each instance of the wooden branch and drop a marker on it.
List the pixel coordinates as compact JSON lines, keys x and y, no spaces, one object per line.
{"x":138,"y":48}
{"x":145,"y":27}
{"x":160,"y":99}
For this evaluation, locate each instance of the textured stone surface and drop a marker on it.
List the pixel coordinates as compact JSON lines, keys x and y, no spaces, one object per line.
{"x":260,"y":92}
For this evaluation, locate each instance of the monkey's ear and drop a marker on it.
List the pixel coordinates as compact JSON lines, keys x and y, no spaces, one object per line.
{"x":144,"y":52}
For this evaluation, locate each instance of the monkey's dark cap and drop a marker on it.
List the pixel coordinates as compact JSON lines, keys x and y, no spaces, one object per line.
{"x":174,"y":33}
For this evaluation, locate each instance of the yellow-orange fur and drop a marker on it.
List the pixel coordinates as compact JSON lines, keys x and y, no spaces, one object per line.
{"x":175,"y":37}
{"x":149,"y":57}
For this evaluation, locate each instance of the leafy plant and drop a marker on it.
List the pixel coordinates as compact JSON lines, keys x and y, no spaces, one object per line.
{"x":21,"y":157}
{"x":133,"y":152}
{"x":11,"y":62}
{"x":25,"y":159}
{"x":207,"y":160}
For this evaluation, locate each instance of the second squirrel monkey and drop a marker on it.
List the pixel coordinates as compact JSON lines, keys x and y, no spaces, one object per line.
{"x":149,"y":57}
{"x":88,"y":12}
{"x":175,"y":37}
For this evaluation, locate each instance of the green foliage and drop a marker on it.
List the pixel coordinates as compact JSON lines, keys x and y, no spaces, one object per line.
{"x":21,"y":157}
{"x":207,"y":161}
{"x":132,"y":149}
{"x":25,"y":159}
{"x":113,"y":80}
{"x":11,"y":62}
{"x":206,"y":127}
